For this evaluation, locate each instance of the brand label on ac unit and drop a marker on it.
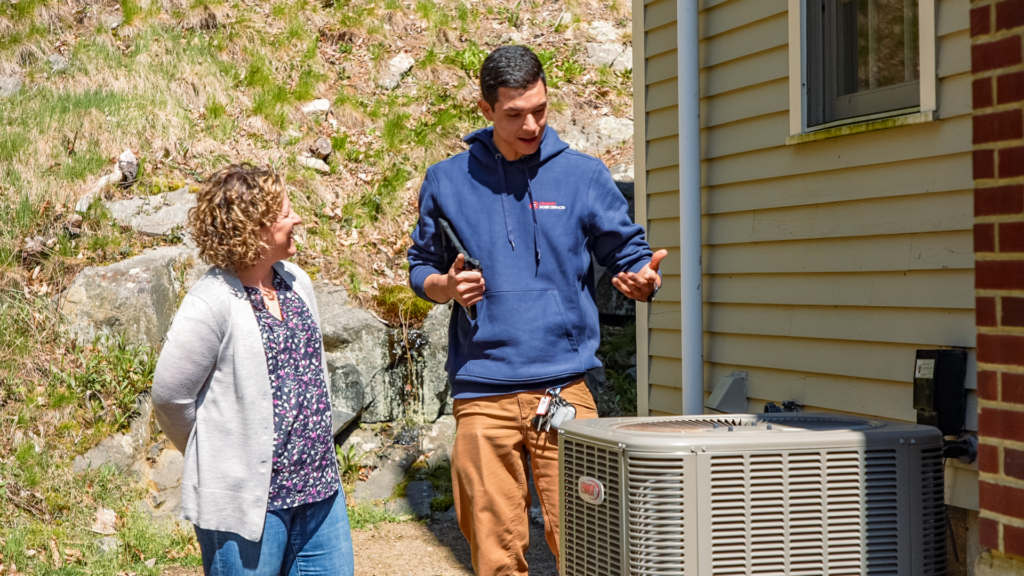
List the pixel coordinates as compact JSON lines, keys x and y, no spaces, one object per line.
{"x":925,"y":368}
{"x":591,"y":490}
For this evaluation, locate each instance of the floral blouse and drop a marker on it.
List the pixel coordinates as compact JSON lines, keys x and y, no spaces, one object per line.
{"x":305,"y":469}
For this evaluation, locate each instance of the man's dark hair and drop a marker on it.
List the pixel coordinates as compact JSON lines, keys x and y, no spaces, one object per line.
{"x":515,"y":67}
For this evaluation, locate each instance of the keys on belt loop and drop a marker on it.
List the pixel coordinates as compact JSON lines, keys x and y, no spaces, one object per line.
{"x":553,"y":410}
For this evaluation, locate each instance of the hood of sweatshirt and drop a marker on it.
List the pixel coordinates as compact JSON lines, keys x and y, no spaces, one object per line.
{"x":483,"y":148}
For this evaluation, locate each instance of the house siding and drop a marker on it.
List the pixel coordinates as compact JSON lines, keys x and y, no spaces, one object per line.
{"x":827,"y":263}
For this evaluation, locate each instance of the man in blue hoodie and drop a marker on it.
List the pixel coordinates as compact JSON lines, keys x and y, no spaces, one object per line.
{"x":531,"y":210}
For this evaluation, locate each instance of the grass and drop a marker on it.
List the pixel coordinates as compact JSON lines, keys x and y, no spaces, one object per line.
{"x":365,"y":516}
{"x":468,"y":59}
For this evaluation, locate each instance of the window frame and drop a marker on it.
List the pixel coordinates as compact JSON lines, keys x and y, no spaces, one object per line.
{"x":807,"y":117}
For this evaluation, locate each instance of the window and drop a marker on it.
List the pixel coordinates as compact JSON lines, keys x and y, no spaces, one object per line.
{"x":862,"y":58}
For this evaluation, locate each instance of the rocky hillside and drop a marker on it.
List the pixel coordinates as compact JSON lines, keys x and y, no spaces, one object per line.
{"x":113,"y":112}
{"x":350,"y":99}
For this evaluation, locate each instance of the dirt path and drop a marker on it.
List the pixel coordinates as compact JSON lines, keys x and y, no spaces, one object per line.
{"x":413,"y":549}
{"x":436,"y":549}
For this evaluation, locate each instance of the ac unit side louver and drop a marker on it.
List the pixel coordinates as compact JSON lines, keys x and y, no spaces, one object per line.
{"x":744,"y":494}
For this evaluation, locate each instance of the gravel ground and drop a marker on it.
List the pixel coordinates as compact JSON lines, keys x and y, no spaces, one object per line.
{"x":414,"y":549}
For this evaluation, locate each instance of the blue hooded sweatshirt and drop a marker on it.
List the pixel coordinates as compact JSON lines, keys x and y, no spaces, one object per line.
{"x":532,"y":224}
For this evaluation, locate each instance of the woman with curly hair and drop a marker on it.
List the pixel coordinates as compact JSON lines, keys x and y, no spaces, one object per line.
{"x":241,"y":390}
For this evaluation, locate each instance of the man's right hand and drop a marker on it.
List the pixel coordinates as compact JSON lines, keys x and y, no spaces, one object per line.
{"x":464,"y":286}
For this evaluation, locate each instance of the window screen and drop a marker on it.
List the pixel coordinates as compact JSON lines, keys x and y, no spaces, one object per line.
{"x":862,"y":58}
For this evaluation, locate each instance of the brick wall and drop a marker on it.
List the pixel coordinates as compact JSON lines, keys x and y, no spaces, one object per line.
{"x":997,"y":62}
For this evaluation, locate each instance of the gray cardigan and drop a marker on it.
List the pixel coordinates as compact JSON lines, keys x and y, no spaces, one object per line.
{"x":212,"y":397}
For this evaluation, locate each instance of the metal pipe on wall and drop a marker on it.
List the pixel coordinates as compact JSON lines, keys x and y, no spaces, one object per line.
{"x":691,"y":296}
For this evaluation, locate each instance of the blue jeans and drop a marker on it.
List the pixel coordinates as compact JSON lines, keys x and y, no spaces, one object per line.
{"x":311,"y":539}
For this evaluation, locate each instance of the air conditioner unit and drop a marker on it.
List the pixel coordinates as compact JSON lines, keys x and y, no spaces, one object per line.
{"x":783,"y":493}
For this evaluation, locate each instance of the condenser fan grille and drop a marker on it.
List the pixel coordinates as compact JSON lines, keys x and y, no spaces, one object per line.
{"x":657,"y":517}
{"x":804,"y":513}
{"x":722,"y":423}
{"x":934,"y":512}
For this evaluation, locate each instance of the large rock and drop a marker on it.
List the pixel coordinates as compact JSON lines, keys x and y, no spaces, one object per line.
{"x":156,"y":215}
{"x":381,"y":483}
{"x":603,"y":31}
{"x":137,"y":297}
{"x":122,"y":451}
{"x":397,"y":68}
{"x":436,"y":391}
{"x":599,"y":136}
{"x":354,"y":342}
{"x":612,"y":54}
{"x":166,"y":472}
{"x":437,"y":439}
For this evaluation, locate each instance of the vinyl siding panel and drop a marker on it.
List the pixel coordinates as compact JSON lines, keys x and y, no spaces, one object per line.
{"x":827,"y":264}
{"x":662,"y":183}
{"x":944,"y":173}
{"x":937,"y":212}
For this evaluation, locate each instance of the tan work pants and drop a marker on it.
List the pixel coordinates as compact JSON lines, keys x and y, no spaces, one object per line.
{"x":492,"y":498}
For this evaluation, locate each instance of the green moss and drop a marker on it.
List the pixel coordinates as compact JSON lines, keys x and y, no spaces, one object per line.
{"x":399,"y":303}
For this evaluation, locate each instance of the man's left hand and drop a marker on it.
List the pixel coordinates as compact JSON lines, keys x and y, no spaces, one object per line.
{"x":640,"y":285}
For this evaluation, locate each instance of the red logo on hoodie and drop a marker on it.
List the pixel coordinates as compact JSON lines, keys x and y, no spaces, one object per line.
{"x":546,"y":206}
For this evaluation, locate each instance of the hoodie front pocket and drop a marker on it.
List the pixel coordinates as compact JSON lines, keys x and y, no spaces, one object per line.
{"x":521,"y":336}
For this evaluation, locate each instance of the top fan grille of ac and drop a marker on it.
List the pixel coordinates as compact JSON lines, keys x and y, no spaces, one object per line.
{"x":780,"y":422}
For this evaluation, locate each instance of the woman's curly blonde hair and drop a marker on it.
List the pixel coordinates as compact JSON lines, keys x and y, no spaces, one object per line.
{"x":230,"y":210}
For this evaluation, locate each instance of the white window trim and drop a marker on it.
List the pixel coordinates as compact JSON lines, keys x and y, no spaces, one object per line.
{"x":798,"y":72}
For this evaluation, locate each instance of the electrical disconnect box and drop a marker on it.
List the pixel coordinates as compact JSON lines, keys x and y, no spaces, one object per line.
{"x":939,"y":394}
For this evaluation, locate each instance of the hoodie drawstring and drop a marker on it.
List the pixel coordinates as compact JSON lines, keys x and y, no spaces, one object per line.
{"x":504,"y":200}
{"x":504,"y":205}
{"x":533,"y":211}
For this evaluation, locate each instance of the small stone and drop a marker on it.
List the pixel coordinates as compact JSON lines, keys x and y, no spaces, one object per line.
{"x":9,"y":86}
{"x":113,"y":21}
{"x":397,"y":68}
{"x":105,"y":521}
{"x":108,"y":545}
{"x":314,"y":163}
{"x":150,"y":563}
{"x":129,"y":166}
{"x":58,"y":63}
{"x":74,"y":224}
{"x":622,"y":172}
{"x":448,"y":516}
{"x":318,"y":106}
{"x":419,"y":494}
{"x":511,"y":38}
{"x":400,"y":507}
{"x":537,"y":515}
{"x":321,"y":148}
{"x":289,"y":137}
{"x":33,"y":247}
{"x":603,"y":31}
